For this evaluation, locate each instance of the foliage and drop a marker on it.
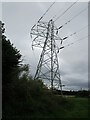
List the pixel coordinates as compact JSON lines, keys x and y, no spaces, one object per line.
{"x":79,"y":93}
{"x":10,"y":58}
{"x":10,"y":65}
{"x":82,"y":93}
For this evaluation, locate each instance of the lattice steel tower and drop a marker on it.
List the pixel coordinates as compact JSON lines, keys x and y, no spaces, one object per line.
{"x":45,"y":35}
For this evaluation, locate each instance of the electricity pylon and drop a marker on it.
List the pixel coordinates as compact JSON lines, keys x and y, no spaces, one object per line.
{"x":45,"y":35}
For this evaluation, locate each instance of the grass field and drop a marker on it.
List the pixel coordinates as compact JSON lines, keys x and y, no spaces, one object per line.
{"x":75,"y":107}
{"x":79,"y":109}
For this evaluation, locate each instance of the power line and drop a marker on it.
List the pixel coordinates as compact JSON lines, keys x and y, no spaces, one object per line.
{"x":73,"y":42}
{"x":64,"y":38}
{"x":79,"y":13}
{"x":58,"y":12}
{"x":75,"y":33}
{"x":65,"y":11}
{"x":45,"y":13}
{"x":72,"y":18}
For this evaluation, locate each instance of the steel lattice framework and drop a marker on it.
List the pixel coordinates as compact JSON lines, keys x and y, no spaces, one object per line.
{"x":44,"y":35}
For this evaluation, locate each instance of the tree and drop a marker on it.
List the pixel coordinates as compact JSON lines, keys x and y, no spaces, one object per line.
{"x":10,"y":65}
{"x":10,"y":58}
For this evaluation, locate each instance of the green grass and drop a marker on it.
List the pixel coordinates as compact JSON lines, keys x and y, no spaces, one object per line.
{"x":74,"y":108}
{"x":80,"y":108}
{"x":68,"y":108}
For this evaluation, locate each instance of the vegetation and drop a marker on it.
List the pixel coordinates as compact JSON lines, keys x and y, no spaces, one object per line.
{"x":25,"y":98}
{"x":79,"y":93}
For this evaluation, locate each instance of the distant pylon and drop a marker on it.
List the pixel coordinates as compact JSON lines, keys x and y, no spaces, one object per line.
{"x":44,"y":35}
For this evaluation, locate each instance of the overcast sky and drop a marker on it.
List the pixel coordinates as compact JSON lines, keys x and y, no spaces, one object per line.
{"x":19,"y":17}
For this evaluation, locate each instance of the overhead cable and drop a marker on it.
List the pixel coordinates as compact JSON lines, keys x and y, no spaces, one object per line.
{"x":72,"y":18}
{"x":44,"y":13}
{"x":66,"y":11}
{"x":75,"y":33}
{"x":73,"y":42}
